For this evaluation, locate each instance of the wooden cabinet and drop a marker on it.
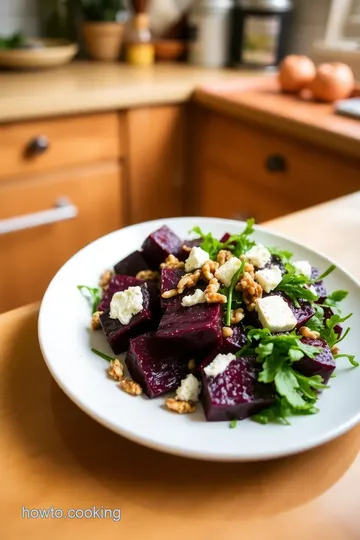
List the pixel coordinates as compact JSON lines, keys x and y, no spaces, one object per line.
{"x":243,"y":170}
{"x":31,"y":257}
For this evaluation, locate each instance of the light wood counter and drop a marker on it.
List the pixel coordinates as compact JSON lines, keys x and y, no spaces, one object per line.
{"x":83,"y":87}
{"x":52,"y":454}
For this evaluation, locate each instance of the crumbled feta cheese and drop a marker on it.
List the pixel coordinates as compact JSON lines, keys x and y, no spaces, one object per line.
{"x":189,"y":389}
{"x":198,"y":297}
{"x":125,"y":304}
{"x":275,"y":314}
{"x":258,"y":255}
{"x":303,"y":267}
{"x":226,"y":272}
{"x":269,"y":278}
{"x":197,"y":258}
{"x":219,"y":364}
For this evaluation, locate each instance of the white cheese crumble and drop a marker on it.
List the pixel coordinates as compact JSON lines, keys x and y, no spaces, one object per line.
{"x":197,"y":258}
{"x":198,"y":297}
{"x":125,"y":304}
{"x":258,"y":255}
{"x":189,"y":389}
{"x":269,"y":278}
{"x":220,"y":364}
{"x":275,"y":314}
{"x":226,"y":272}
{"x":303,"y":267}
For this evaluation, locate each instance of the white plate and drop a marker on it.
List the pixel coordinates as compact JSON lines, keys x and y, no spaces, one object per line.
{"x":65,"y":344}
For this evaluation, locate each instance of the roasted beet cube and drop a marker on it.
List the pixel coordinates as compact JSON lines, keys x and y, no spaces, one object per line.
{"x":116,"y":284}
{"x":132,"y":264}
{"x":235,"y":393}
{"x":195,"y":242}
{"x":225,"y":238}
{"x":157,"y":369}
{"x":119,"y":335}
{"x":237,"y":340}
{"x":196,"y":328}
{"x":170,"y":278}
{"x":276,"y":261}
{"x":319,"y":285}
{"x":323,"y":364}
{"x":159,"y":245}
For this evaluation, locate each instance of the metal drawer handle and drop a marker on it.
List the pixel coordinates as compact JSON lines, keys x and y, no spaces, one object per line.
{"x":276,"y":163}
{"x":64,"y":210}
{"x":37,"y":146}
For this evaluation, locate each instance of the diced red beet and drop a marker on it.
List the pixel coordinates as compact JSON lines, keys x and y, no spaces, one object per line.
{"x":323,"y":364}
{"x":225,"y":238}
{"x":170,"y":278}
{"x":276,"y":261}
{"x":156,"y":368}
{"x":116,"y":284}
{"x":119,"y":335}
{"x":236,"y":341}
{"x":319,"y":285}
{"x":328,"y":312}
{"x":132,"y":264}
{"x":235,"y":393}
{"x":159,"y":245}
{"x":196,"y":328}
{"x":195,"y":242}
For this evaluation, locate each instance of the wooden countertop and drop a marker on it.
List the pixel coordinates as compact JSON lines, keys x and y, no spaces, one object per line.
{"x":52,"y":454}
{"x":259,"y":100}
{"x":89,"y":86}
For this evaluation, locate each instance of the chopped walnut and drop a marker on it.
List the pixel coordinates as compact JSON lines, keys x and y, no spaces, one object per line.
{"x":307,"y":333}
{"x":191,"y":364}
{"x":147,"y":275}
{"x":105,"y":279}
{"x":116,"y":369}
{"x":181,"y":407}
{"x":211,"y":293}
{"x":95,"y":320}
{"x":227,"y":332}
{"x":172,"y":262}
{"x":188,"y":280}
{"x":223,"y":256}
{"x":237,"y":315}
{"x":131,"y":387}
{"x":170,"y":293}
{"x":209,"y":269}
{"x":251,"y":290}
{"x":335,"y":349}
{"x":186,"y":248}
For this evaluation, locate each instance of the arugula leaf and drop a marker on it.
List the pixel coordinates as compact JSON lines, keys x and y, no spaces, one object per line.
{"x":93,"y":294}
{"x":294,"y":286}
{"x":233,"y":424}
{"x":317,"y":320}
{"x":328,"y":332}
{"x":350,"y":357}
{"x":209,"y":244}
{"x":309,"y":384}
{"x":283,"y":254}
{"x":325,"y":274}
{"x":335,"y":297}
{"x":102,"y":355}
{"x":240,"y":243}
{"x":230,"y":293}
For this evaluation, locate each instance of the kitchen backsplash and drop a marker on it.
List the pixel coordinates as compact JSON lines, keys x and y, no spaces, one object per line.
{"x":18,"y":15}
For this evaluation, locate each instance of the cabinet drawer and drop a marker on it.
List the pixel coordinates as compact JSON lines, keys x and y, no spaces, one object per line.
{"x":31,"y":147}
{"x":298,"y":173}
{"x":30,"y":257}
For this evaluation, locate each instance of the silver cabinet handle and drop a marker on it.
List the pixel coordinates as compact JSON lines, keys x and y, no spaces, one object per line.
{"x":64,"y":210}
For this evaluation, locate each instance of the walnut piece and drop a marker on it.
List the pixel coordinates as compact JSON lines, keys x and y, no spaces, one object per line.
{"x":131,"y":387}
{"x":95,"y":320}
{"x":170,"y":293}
{"x":335,"y":349}
{"x":251,"y":290}
{"x":191,"y":364}
{"x":186,"y":248}
{"x":188,"y":280}
{"x":227,"y":331}
{"x":172,"y":262}
{"x":209,"y":269}
{"x":307,"y":333}
{"x":181,"y":407}
{"x":237,"y":315}
{"x":105,"y":279}
{"x":211,"y":293}
{"x":147,"y":275}
{"x":223,"y":256}
{"x":116,"y":369}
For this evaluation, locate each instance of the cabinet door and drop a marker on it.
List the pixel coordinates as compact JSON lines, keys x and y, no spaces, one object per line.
{"x":91,"y":199}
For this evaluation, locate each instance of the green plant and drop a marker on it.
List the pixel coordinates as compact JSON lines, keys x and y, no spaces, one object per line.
{"x":103,"y":10}
{"x":15,"y":41}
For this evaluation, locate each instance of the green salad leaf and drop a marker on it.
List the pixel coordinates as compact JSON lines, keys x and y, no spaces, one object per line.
{"x":295,"y":286}
{"x":335,"y":298}
{"x":102,"y":355}
{"x":282,"y":254}
{"x":93,"y":294}
{"x":233,"y":424}
{"x":209,"y":243}
{"x":230,"y":292}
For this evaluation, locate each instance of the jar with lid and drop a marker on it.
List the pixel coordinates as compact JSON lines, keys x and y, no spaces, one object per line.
{"x":260,"y":32}
{"x":139,"y":46}
{"x":209,"y":32}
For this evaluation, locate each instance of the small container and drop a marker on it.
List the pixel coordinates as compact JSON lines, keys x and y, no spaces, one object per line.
{"x":209,"y":32}
{"x":140,"y":49}
{"x":260,"y":32}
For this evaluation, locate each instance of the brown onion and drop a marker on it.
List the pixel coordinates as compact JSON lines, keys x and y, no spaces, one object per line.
{"x":333,"y":81}
{"x":296,"y":72}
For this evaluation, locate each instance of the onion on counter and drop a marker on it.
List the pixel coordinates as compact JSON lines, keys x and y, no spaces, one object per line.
{"x":332,"y":81}
{"x":296,"y":72}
